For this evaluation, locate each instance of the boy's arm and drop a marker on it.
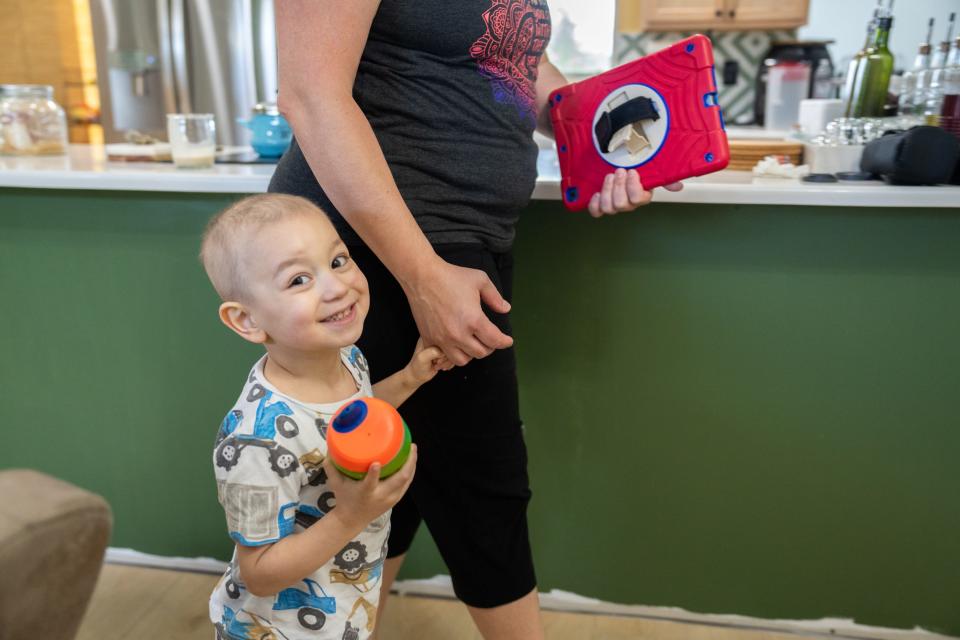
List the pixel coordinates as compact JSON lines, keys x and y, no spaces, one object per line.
{"x":423,"y":366}
{"x":268,"y":569}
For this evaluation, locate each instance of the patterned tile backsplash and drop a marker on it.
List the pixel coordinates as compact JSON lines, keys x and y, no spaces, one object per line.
{"x":746,"y":47}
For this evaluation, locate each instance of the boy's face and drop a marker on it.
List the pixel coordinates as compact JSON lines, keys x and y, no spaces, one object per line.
{"x":304,"y":291}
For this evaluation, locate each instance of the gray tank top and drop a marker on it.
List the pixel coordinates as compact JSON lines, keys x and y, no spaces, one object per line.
{"x":449,"y":89}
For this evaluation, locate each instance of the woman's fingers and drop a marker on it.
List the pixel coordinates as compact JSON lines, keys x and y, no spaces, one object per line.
{"x":618,"y":194}
{"x":621,"y":191}
{"x":606,"y":194}
{"x":635,"y":193}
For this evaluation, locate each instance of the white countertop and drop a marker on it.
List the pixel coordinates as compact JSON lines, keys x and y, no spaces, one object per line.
{"x":86,"y":167}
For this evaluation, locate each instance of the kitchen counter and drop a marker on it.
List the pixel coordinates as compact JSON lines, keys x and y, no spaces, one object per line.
{"x":746,"y":363}
{"x":86,"y":167}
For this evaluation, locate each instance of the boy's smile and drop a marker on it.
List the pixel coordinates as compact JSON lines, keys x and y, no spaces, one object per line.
{"x":305,"y":292}
{"x":343,"y":317}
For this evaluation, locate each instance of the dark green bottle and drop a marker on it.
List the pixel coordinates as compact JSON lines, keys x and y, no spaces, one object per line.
{"x":873,"y":74}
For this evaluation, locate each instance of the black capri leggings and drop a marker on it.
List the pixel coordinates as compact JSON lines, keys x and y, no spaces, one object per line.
{"x":471,"y":486}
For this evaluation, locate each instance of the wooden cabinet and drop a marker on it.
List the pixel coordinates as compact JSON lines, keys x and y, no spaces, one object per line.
{"x":714,"y":15}
{"x":767,"y":14}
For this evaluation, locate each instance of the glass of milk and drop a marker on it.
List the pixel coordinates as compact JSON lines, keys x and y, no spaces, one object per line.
{"x":193,"y":140}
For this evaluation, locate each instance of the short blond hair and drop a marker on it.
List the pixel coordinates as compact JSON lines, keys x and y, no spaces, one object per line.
{"x":222,"y":246}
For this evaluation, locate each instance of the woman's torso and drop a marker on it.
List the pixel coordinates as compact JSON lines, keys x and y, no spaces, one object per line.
{"x":449,"y":89}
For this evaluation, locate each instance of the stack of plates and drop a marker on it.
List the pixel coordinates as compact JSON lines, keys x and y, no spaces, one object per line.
{"x":744,"y":154}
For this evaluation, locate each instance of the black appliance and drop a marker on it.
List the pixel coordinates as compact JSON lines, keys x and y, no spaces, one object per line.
{"x":814,"y":52}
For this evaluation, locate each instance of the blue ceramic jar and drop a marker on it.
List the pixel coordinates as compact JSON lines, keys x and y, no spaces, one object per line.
{"x":271,"y":132}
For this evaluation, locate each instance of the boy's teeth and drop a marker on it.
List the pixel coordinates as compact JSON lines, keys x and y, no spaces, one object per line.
{"x":340,"y":315}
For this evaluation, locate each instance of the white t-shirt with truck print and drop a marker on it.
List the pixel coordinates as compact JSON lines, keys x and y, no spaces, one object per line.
{"x":267,"y":462}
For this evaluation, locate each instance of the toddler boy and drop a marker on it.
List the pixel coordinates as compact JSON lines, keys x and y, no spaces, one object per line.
{"x":310,"y":543}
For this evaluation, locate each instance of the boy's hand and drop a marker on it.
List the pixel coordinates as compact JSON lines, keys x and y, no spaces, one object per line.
{"x":360,"y":502}
{"x":425,"y":363}
{"x":622,"y":191}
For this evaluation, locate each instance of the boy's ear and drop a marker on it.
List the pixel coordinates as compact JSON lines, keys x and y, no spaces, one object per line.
{"x":238,"y":319}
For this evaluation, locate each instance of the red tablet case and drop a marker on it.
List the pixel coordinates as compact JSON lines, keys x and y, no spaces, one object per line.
{"x":674,"y":91}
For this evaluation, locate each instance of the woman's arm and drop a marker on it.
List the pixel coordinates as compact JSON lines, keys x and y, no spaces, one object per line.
{"x":548,"y":79}
{"x":319,"y":47}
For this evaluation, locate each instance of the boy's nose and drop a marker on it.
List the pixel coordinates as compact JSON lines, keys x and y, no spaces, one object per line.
{"x":332,"y":286}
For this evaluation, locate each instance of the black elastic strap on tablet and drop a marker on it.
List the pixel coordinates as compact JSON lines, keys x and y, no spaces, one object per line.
{"x":629,"y":112}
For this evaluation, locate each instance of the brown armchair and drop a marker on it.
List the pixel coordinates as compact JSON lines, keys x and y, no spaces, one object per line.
{"x":53,"y":536}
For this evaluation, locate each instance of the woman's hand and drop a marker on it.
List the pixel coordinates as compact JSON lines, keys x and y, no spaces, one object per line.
{"x":446,"y":301}
{"x":622,"y":191}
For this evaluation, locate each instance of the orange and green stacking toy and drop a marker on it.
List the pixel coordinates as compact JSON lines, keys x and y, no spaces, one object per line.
{"x":365,"y":431}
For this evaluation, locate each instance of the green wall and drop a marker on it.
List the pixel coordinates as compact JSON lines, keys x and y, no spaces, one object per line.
{"x":729,"y":409}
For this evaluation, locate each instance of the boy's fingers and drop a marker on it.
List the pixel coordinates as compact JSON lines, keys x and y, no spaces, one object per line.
{"x":372,"y":478}
{"x":404,"y":474}
{"x":432,"y":353}
{"x":330,"y":470}
{"x":411,"y":462}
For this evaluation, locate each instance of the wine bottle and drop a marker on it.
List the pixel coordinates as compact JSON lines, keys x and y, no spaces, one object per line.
{"x":873,"y":75}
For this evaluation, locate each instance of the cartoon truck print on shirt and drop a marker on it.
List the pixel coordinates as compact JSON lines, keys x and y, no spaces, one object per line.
{"x":356,"y":359}
{"x":270,"y":420}
{"x":230,"y":628}
{"x":312,"y":608}
{"x":286,"y":519}
{"x":233,"y":585}
{"x":282,"y":461}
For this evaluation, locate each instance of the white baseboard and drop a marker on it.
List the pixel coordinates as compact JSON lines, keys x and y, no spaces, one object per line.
{"x":558,"y":600}
{"x":117,"y":555}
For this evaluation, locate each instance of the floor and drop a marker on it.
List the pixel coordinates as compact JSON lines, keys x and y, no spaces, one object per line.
{"x":146,"y":603}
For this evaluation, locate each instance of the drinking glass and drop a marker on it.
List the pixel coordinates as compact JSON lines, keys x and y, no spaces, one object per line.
{"x":193,"y":140}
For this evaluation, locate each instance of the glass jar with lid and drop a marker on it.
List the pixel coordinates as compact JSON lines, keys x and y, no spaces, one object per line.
{"x":31,"y":123}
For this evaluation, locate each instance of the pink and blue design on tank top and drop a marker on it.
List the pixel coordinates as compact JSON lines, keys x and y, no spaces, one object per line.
{"x":517,"y":32}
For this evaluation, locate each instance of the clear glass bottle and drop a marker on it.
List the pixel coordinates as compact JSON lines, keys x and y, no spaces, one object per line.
{"x":936,"y":85}
{"x":873,"y":74}
{"x":933,"y":103}
{"x":950,"y":106}
{"x":953,"y":58}
{"x":913,"y":85}
{"x":31,"y":123}
{"x":854,"y":66}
